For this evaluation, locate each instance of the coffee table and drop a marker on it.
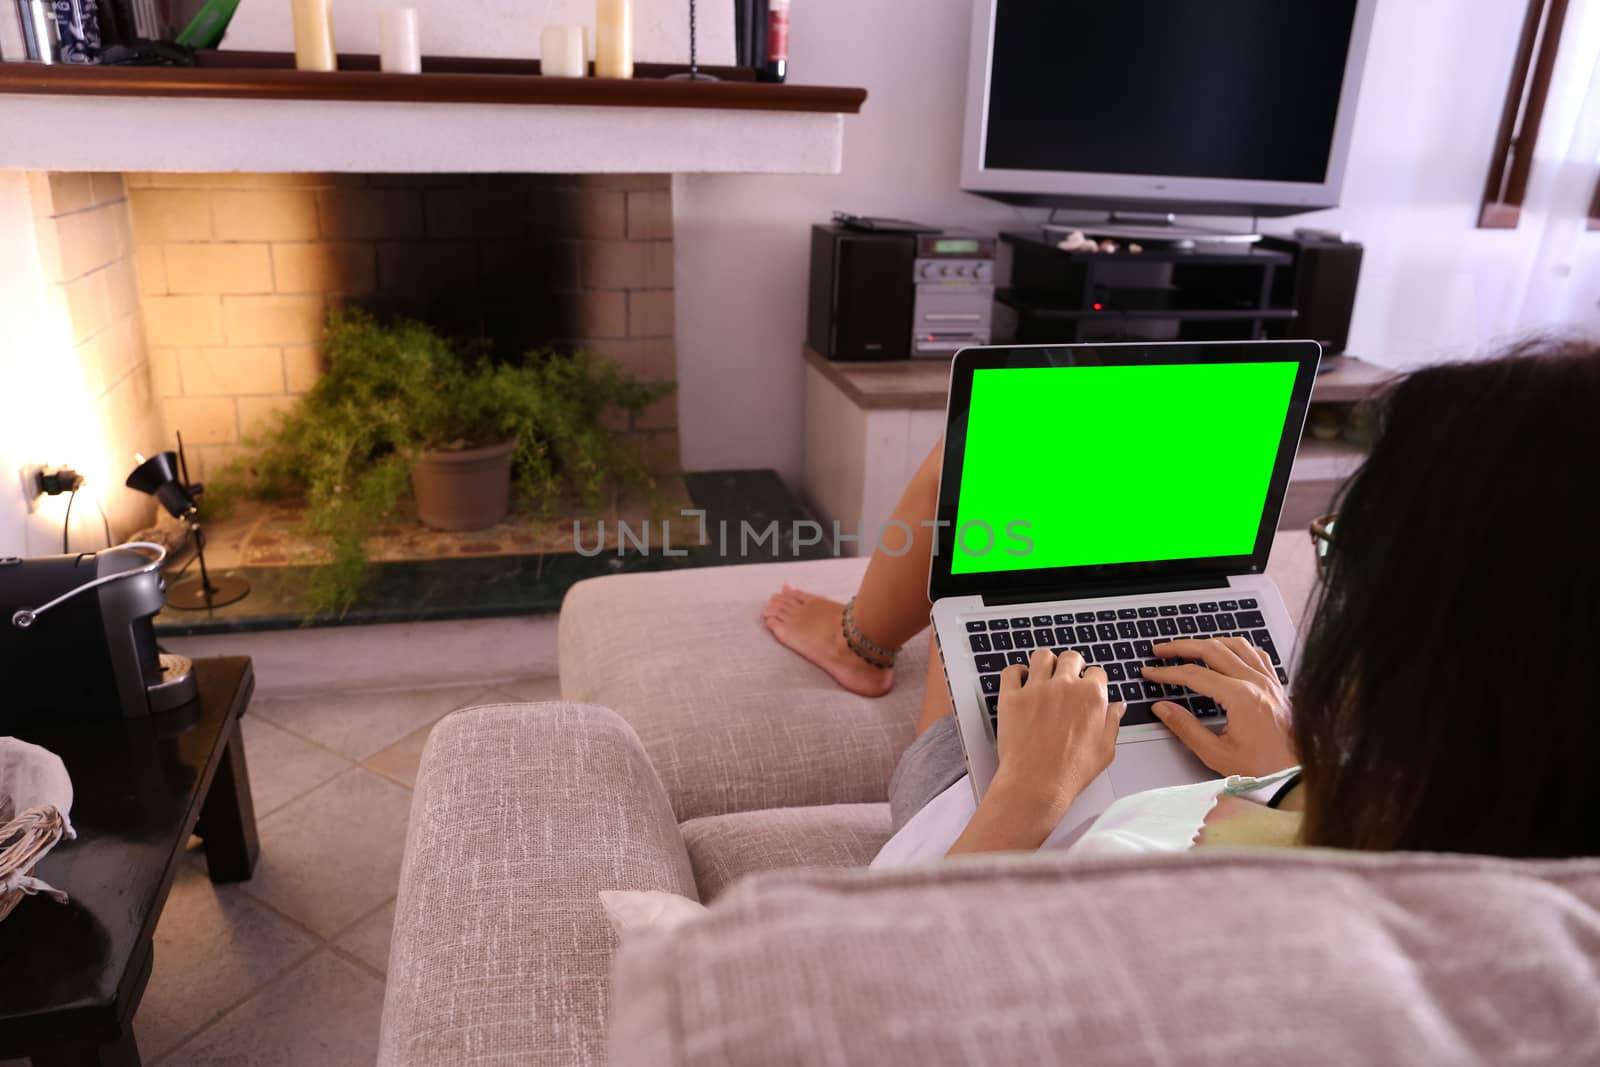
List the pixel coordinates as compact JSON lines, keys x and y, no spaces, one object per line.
{"x":72,"y":975}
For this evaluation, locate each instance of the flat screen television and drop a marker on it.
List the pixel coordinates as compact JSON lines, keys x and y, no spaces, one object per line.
{"x":1234,"y":107}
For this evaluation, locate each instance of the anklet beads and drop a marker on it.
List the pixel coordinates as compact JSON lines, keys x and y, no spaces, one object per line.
{"x":874,"y":654}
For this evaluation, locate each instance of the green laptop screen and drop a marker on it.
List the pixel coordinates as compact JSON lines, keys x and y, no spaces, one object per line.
{"x":1084,"y":466}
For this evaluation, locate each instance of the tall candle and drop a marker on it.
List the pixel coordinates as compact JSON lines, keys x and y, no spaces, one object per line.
{"x":613,"y":38}
{"x":561,"y":52}
{"x":397,"y":41}
{"x":313,"y":35}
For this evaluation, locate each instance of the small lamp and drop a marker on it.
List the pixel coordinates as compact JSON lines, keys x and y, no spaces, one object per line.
{"x":159,"y":477}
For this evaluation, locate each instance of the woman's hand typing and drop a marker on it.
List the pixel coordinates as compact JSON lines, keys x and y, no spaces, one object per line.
{"x":1056,"y":733}
{"x":1239,"y":677}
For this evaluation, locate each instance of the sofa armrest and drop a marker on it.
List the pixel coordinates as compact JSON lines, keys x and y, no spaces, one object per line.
{"x":733,"y":721}
{"x":501,"y":949}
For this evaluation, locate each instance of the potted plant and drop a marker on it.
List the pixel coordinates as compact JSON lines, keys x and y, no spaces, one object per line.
{"x":401,"y":406}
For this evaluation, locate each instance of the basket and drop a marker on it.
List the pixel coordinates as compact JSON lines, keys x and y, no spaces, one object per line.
{"x":35,"y":810}
{"x":23,"y":840}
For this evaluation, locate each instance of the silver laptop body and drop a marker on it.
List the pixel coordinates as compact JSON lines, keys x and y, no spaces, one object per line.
{"x":1122,"y":604}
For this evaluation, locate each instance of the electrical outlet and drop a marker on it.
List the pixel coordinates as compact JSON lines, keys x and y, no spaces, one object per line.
{"x":31,"y":489}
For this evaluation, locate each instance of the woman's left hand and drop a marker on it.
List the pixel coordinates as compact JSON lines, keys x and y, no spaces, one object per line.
{"x":1238,"y":676}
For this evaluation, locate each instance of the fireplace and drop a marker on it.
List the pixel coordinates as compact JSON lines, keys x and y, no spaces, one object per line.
{"x":237,"y":272}
{"x":194,"y":303}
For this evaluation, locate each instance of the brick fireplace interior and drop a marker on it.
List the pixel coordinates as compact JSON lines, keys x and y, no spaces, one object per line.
{"x":196,"y":301}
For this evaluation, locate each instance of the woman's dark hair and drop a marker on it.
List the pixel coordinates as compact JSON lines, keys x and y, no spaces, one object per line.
{"x":1446,"y":698}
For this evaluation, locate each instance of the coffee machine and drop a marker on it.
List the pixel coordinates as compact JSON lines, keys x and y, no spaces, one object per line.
{"x":77,"y":641}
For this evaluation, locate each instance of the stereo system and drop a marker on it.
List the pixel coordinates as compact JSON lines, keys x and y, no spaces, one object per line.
{"x":1320,"y":285}
{"x":883,"y":289}
{"x":897,"y":290}
{"x":860,"y":293}
{"x":954,"y":303}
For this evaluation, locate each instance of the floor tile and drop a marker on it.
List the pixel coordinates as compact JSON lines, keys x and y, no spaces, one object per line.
{"x":282,"y":766}
{"x":400,"y":760}
{"x":368,"y":940}
{"x":327,"y":1012}
{"x":213,"y":947}
{"x":529,"y":690}
{"x":361,"y":724}
{"x":333,"y":855}
{"x":305,"y":661}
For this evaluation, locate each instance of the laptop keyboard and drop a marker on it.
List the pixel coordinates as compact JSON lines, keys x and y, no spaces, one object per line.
{"x":1119,"y":641}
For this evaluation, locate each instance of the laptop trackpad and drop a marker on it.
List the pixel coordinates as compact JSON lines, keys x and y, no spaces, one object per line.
{"x":1154,"y":764}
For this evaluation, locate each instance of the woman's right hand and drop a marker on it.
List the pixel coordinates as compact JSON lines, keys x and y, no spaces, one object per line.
{"x":1056,"y":730}
{"x":1237,"y":675}
{"x":1056,"y":733}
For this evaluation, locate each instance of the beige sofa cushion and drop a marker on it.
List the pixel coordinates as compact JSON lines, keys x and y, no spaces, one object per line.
{"x":1269,"y":957}
{"x":501,"y":948}
{"x":723,"y":848}
{"x":732,"y":720}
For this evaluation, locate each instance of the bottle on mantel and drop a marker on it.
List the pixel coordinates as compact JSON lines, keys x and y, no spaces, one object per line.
{"x":775,"y":65}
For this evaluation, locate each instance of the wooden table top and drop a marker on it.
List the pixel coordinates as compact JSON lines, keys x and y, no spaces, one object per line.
{"x":77,"y":968}
{"x":917,"y":384}
{"x":924,"y":384}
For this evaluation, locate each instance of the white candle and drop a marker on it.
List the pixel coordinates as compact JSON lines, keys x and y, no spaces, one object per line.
{"x":397,"y":41}
{"x":313,"y":35}
{"x":613,"y":38}
{"x":561,"y":52}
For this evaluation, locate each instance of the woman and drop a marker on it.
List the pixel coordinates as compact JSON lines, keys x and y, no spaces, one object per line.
{"x":1443,"y":699}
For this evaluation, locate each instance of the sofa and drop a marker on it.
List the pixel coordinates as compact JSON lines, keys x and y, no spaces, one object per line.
{"x":691,"y":754}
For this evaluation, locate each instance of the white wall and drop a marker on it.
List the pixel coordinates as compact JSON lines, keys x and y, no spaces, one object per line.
{"x":21,"y":313}
{"x":50,"y":413}
{"x":743,"y":242}
{"x":1432,"y":283}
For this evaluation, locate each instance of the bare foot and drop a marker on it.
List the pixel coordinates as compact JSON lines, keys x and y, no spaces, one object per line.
{"x":810,"y":625}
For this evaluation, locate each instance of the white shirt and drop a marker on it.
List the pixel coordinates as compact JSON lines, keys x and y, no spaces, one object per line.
{"x":1156,"y":820}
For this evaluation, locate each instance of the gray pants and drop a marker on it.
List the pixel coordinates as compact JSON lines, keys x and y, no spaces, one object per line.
{"x":932,"y":764}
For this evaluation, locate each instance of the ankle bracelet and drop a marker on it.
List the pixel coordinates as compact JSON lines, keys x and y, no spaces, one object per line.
{"x":875,"y":655}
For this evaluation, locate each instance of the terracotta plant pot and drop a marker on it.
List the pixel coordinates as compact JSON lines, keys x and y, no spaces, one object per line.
{"x":468,"y":489}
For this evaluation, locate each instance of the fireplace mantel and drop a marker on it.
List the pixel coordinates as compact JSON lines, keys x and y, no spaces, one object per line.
{"x":459,"y":116}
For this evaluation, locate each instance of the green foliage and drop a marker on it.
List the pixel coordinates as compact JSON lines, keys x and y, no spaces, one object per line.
{"x":392,"y":392}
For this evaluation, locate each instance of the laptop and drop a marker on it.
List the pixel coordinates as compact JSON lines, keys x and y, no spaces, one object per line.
{"x":1105,"y":498}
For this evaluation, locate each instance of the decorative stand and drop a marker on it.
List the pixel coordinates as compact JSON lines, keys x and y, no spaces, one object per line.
{"x":206,"y":593}
{"x":694,"y":73}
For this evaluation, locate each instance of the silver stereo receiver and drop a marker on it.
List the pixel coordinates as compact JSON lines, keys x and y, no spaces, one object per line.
{"x":954,"y":303}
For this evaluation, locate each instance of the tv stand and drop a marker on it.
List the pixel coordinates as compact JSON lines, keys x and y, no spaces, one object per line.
{"x":1212,"y":291}
{"x":1151,"y":226}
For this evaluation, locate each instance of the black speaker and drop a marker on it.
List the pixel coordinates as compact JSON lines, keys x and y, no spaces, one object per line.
{"x":862,"y":291}
{"x":1321,"y":286}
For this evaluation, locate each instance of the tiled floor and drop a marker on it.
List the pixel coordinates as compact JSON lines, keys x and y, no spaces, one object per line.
{"x":288,"y":967}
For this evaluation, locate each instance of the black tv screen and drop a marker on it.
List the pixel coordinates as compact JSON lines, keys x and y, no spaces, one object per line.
{"x":1234,"y":89}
